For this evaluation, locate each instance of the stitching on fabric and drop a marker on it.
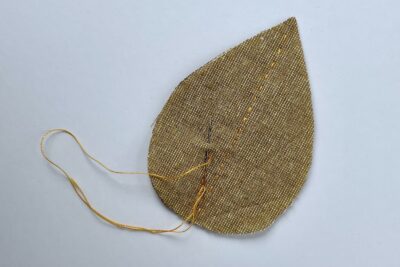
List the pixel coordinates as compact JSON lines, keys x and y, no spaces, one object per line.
{"x":250,"y":108}
{"x":207,"y":157}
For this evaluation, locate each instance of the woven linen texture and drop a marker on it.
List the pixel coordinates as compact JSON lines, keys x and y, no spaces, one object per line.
{"x":250,"y":110}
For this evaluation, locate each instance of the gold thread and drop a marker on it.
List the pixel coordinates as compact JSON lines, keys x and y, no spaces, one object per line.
{"x":250,"y":108}
{"x":190,"y":219}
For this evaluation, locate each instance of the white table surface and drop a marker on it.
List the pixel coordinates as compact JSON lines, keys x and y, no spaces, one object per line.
{"x":104,"y":69}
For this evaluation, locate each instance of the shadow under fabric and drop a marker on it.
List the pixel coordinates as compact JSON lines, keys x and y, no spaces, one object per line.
{"x":249,"y":110}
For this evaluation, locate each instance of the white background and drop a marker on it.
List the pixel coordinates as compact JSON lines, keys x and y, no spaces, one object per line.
{"x":104,"y":69}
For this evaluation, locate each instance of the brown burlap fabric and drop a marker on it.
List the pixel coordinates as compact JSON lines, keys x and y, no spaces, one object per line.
{"x":250,"y":110}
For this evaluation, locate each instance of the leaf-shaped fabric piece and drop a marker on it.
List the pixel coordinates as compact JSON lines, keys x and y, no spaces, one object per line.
{"x":250,"y":110}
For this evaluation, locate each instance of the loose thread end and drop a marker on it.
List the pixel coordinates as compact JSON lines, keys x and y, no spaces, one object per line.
{"x":78,"y":190}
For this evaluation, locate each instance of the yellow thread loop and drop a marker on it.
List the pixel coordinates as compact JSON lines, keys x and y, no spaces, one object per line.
{"x":78,"y":190}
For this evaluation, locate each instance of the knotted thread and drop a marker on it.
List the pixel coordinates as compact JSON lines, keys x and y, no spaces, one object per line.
{"x":190,"y":219}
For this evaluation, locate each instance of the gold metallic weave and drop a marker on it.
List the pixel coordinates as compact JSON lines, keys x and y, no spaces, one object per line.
{"x":250,"y":111}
